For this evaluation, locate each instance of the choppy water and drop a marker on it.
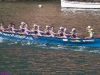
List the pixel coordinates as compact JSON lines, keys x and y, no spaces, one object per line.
{"x":50,"y":47}
{"x":40,"y":59}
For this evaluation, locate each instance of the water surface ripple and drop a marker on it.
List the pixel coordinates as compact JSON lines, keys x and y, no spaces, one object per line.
{"x":40,"y":59}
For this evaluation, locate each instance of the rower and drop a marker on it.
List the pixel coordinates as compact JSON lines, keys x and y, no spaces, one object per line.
{"x":34,"y":30}
{"x":90,"y":31}
{"x":60,"y":32}
{"x":2,"y":27}
{"x":27,"y":29}
{"x":22,"y":27}
{"x":73,"y":33}
{"x":53,"y":32}
{"x":40,"y":32}
{"x":47,"y":31}
{"x":66,"y":34}
{"x":9,"y":29}
{"x":13,"y":29}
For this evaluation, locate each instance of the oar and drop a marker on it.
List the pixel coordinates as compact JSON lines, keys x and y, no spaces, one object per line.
{"x":11,"y":37}
{"x":6,"y":32}
{"x":50,"y":41}
{"x":26,"y":37}
{"x":23,"y":38}
{"x":66,"y":42}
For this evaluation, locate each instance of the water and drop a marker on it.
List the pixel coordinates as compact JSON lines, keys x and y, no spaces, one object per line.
{"x":40,"y":59}
{"x":25,"y":58}
{"x":51,"y":47}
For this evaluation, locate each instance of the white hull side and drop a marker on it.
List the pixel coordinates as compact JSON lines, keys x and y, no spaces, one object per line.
{"x":70,"y":4}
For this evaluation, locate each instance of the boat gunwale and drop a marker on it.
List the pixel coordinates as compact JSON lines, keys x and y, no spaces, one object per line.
{"x":48,"y":37}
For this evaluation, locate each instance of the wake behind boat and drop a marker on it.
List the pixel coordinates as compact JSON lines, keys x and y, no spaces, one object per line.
{"x":74,"y":4}
{"x":95,"y":42}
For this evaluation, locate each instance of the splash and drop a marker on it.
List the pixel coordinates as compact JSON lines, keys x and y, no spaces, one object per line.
{"x":1,"y":39}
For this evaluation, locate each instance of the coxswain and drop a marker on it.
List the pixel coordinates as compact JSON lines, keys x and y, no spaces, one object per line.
{"x":90,"y":31}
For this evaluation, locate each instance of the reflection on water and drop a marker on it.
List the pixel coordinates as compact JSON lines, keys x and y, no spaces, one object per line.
{"x":40,"y":59}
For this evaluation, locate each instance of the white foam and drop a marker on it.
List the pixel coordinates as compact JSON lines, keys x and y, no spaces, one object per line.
{"x":1,"y":39}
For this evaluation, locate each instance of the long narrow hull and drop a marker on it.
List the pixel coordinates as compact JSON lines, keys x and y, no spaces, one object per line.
{"x":50,"y":40}
{"x":71,"y":4}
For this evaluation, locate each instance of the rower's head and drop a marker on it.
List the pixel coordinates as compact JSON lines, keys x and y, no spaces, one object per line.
{"x":13,"y":25}
{"x":22,"y":23}
{"x":65,"y":29}
{"x":73,"y":29}
{"x":26,"y":25}
{"x":35,"y":26}
{"x":52,"y":27}
{"x":47,"y":27}
{"x":88,"y":27}
{"x":61,"y":28}
{"x":1,"y":23}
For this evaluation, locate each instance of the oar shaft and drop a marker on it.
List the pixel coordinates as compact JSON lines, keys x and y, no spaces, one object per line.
{"x":50,"y":41}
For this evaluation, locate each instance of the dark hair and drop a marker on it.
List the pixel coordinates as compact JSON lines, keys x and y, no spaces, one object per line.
{"x":11,"y":23}
{"x":2,"y":22}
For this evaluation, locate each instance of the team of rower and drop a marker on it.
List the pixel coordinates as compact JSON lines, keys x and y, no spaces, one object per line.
{"x":49,"y":31}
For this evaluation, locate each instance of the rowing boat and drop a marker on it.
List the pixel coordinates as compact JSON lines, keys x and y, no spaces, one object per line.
{"x":50,"y":40}
{"x":75,"y":4}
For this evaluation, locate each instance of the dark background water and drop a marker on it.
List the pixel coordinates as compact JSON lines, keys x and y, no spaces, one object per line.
{"x":35,"y":59}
